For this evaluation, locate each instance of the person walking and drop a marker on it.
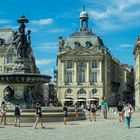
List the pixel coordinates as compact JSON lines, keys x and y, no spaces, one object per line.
{"x":128,"y":113}
{"x":38,"y":116}
{"x":3,"y":113}
{"x":120,"y":109}
{"x":17,"y":114}
{"x":76,"y":109}
{"x":93,"y":111}
{"x":105,"y":108}
{"x":65,"y":111}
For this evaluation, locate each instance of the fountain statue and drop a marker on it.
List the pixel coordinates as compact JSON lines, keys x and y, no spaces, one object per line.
{"x":24,"y":84}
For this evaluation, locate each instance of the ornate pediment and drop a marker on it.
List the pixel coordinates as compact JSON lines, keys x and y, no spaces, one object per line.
{"x":81,"y":51}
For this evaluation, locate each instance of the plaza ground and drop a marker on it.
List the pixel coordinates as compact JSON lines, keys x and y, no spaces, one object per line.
{"x":110,"y":129}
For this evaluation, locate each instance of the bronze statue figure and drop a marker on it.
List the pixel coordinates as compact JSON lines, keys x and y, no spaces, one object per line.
{"x":21,"y":41}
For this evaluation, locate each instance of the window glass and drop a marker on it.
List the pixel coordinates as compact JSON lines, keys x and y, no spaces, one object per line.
{"x":9,"y":58}
{"x":69,"y":65}
{"x":69,"y":91}
{"x":81,"y":76}
{"x":94,"y":91}
{"x":8,"y":70}
{"x":69,"y":77}
{"x":94,"y":64}
{"x":94,"y":77}
{"x":81,"y":91}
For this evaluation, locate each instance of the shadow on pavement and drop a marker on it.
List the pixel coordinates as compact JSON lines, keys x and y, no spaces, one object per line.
{"x":26,"y":126}
{"x":49,"y":128}
{"x":135,"y":127}
{"x":2,"y":127}
{"x":73,"y":124}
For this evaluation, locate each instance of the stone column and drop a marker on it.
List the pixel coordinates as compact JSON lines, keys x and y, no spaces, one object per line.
{"x":75,"y":73}
{"x":87,"y":71}
{"x":63,"y":69}
{"x":100,"y":73}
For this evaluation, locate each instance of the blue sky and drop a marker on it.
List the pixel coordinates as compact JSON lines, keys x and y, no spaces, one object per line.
{"x":117,"y":21}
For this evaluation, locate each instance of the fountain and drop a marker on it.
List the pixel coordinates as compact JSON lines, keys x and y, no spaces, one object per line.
{"x":24,"y":84}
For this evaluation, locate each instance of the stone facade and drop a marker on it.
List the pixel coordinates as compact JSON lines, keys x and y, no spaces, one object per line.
{"x":137,"y":72}
{"x":86,"y":69}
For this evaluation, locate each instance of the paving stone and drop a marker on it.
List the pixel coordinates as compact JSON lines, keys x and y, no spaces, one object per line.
{"x":109,"y":129}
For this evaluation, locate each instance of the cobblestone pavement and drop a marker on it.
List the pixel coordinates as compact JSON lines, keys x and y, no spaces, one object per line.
{"x":102,"y":129}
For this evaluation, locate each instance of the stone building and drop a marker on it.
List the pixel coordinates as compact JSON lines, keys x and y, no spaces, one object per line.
{"x":6,"y":55}
{"x":86,"y":69}
{"x":137,"y":72}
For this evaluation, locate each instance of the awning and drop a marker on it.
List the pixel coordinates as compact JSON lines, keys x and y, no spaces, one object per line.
{"x":82,"y":100}
{"x":94,"y":99}
{"x":67,"y":100}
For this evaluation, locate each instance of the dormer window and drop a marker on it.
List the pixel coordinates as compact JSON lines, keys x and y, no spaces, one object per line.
{"x":88,"y":44}
{"x":2,"y":41}
{"x":77,"y":44}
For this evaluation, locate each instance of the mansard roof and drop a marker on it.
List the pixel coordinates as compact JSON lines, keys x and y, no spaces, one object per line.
{"x":84,"y":38}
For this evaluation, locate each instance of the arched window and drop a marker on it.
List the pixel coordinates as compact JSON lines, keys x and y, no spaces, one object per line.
{"x":69,"y":91}
{"x":94,"y":91}
{"x":77,"y":44}
{"x":84,"y":24}
{"x":88,"y":44}
{"x":81,"y":91}
{"x":2,"y":41}
{"x":8,"y":93}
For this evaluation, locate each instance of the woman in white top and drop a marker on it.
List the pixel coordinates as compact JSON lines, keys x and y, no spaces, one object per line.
{"x":128,"y":113}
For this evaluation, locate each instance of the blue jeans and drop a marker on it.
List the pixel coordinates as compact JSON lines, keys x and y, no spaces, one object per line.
{"x":128,"y":120}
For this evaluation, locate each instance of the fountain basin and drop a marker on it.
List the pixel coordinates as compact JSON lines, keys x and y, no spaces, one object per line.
{"x":24,"y":78}
{"x":49,"y":115}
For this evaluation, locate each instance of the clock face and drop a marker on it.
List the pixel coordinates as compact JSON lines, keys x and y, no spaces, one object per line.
{"x":19,"y":94}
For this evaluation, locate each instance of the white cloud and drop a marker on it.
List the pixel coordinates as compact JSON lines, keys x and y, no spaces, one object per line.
{"x":48,"y":71}
{"x":46,"y":21}
{"x":11,"y":27}
{"x":4,"y":21}
{"x":46,"y":46}
{"x":122,"y":47}
{"x":45,"y":61}
{"x":116,"y":15}
{"x":126,"y":46}
{"x":56,"y":30}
